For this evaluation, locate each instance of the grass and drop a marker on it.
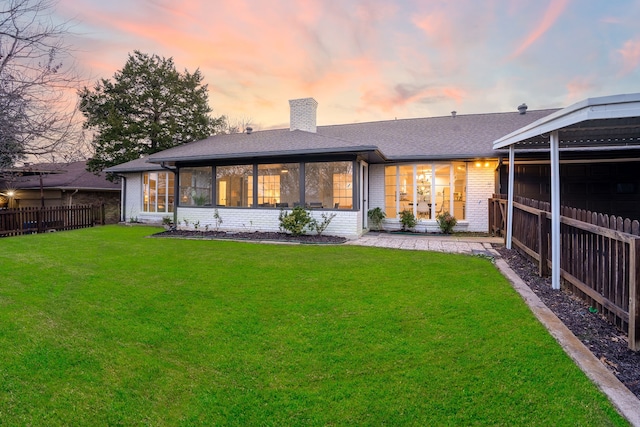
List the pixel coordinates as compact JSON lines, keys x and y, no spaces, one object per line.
{"x":105,"y":327}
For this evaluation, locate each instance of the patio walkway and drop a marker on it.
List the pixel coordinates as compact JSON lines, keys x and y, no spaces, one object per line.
{"x":471,"y":245}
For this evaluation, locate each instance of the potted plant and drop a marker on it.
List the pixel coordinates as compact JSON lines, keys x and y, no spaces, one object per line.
{"x":408,"y":220}
{"x":376,"y":216}
{"x":446,"y":222}
{"x":167,"y":222}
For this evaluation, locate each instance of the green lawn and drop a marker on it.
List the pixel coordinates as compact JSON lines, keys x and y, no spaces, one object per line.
{"x":103,"y":326}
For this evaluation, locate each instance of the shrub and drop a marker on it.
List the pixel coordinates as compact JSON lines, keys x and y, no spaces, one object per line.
{"x":218,"y":219}
{"x":446,"y":222}
{"x":376,"y":215}
{"x":320,"y":226}
{"x":295,"y":222}
{"x":408,"y":220}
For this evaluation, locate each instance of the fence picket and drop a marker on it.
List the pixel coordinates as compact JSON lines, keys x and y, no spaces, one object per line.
{"x":600,"y":259}
{"x":17,"y":221}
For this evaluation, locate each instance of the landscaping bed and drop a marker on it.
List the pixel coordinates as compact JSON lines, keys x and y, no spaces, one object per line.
{"x":604,"y":340}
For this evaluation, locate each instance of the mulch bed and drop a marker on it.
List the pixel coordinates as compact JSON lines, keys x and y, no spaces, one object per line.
{"x":255,"y":236}
{"x":604,"y":340}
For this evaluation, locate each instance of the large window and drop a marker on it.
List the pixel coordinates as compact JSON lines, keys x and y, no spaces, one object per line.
{"x":426,"y":190}
{"x":158,"y":192}
{"x":234,"y":185}
{"x":279,"y":185}
{"x":329,"y":185}
{"x":324,"y":185}
{"x":195,"y":186}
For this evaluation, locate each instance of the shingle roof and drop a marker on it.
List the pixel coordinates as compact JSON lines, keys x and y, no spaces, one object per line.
{"x":63,"y":176}
{"x":461,"y":137}
{"x":137,"y":165}
{"x":278,"y":142}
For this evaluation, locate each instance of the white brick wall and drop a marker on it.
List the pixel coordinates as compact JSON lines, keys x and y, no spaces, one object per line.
{"x":376,"y":186}
{"x":302,"y":114}
{"x":345,"y":223}
{"x":480,"y":187}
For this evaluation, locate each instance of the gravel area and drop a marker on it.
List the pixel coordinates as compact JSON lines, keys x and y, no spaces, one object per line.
{"x":604,"y":340}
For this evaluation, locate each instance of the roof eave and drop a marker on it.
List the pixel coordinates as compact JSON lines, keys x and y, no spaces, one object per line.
{"x":264,"y":154}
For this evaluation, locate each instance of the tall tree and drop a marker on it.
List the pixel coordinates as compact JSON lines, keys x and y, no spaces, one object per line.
{"x":37,"y":80}
{"x":148,"y":107}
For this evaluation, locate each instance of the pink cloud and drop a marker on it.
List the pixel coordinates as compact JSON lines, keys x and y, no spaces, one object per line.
{"x":630,"y":53}
{"x":579,"y":88}
{"x":401,"y":96}
{"x":553,"y":12}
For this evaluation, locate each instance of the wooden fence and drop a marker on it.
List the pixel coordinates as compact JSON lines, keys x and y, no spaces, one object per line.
{"x":599,"y":259}
{"x":14,"y":222}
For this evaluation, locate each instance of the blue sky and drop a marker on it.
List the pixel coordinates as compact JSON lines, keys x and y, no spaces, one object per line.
{"x":372,"y":60}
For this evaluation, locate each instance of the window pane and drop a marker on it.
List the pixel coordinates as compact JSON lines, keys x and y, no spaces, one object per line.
{"x":234,"y":185}
{"x":459,"y":189}
{"x":195,"y":186}
{"x":443,"y":190}
{"x":279,"y":185}
{"x":329,"y":185}
{"x":406,"y":188}
{"x":390,"y":191}
{"x":423,"y":191}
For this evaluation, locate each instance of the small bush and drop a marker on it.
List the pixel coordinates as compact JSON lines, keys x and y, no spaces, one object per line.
{"x":218,"y":219}
{"x":320,"y":226}
{"x":446,"y":222}
{"x":295,"y":222}
{"x":408,"y":220}
{"x":376,"y":215}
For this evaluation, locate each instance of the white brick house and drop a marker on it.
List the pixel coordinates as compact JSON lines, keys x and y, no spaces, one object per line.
{"x":427,"y":166}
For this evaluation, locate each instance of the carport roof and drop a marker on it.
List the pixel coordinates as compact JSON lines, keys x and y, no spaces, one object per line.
{"x":608,"y":122}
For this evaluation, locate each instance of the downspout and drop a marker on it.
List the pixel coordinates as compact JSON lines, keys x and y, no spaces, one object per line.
{"x":71,"y":197}
{"x":123,"y":197}
{"x":175,"y":192}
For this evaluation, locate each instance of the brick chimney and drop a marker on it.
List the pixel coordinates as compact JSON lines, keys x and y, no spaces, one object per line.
{"x":303,"y":114}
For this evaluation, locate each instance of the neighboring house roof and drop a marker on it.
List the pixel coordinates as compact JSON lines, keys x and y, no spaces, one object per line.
{"x":61,"y":176}
{"x":460,"y":137}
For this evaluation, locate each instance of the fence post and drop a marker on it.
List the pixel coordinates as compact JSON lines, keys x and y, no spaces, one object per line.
{"x":543,"y":244}
{"x":103,"y":217}
{"x":634,"y":295}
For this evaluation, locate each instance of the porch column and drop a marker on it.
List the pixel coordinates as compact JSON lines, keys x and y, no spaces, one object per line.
{"x":510,"y":197}
{"x":555,"y":210}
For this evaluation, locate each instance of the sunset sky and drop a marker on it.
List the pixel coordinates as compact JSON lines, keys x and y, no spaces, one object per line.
{"x":372,"y":59}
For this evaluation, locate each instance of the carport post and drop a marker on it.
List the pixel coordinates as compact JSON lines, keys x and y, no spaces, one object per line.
{"x":510,"y":197}
{"x":555,"y":209}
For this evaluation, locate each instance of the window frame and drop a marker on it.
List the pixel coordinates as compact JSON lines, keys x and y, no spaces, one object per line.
{"x":168,"y":197}
{"x":253,"y":191}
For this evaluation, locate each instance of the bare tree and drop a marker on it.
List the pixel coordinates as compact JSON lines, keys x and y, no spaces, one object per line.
{"x":236,"y":125}
{"x":38,"y":83}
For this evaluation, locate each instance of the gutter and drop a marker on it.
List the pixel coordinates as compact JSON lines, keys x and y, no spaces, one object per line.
{"x":123,"y":196}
